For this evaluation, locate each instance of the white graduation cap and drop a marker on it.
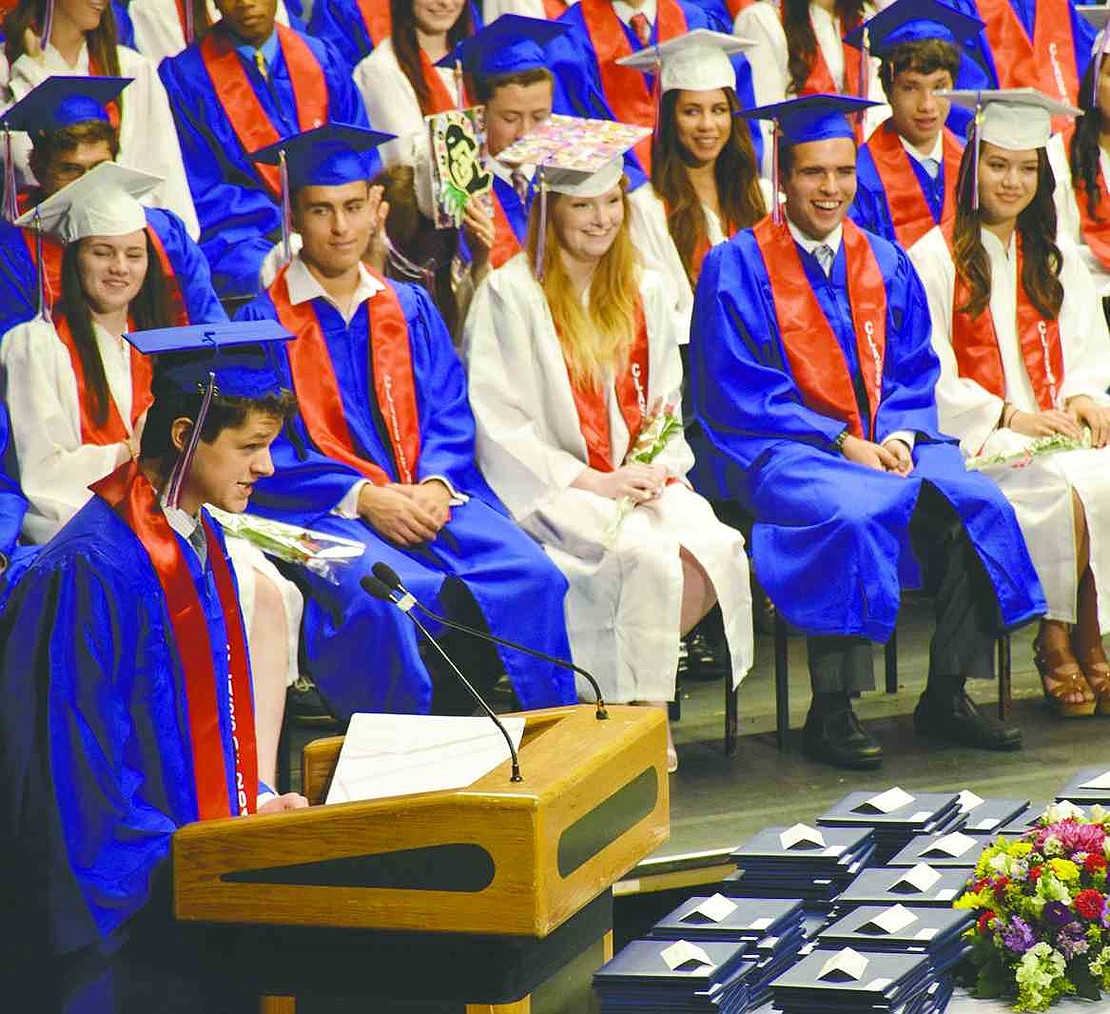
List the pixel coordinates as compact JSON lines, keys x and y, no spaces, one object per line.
{"x":698,"y":61}
{"x":1015,"y":119}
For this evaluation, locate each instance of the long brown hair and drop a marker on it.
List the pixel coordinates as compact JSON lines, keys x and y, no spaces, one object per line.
{"x":1084,"y":154}
{"x":407,"y":49}
{"x":735,"y":172}
{"x":801,"y":40}
{"x":101,"y":41}
{"x":1036,"y":227}
{"x":597,"y":338}
{"x":149,"y":309}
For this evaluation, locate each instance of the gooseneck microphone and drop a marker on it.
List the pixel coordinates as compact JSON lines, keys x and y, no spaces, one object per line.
{"x":388,"y":576}
{"x":380,"y":590}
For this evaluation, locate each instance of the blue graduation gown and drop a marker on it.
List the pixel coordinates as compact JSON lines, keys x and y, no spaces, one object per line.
{"x":831,"y":538}
{"x":871,"y":209}
{"x":480,"y":546}
{"x":239,"y":220}
{"x":13,"y":505}
{"x":95,"y":754}
{"x":19,"y":285}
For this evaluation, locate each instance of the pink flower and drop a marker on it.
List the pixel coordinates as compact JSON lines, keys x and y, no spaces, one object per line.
{"x":1072,"y":836}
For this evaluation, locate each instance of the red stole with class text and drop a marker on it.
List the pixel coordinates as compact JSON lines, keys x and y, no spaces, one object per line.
{"x":129,"y":493}
{"x":376,"y":19}
{"x":816,"y":360}
{"x":1046,"y":62}
{"x":626,"y":90}
{"x":909,"y":209}
{"x":317,"y":388}
{"x":975,"y":343}
{"x":51,"y":267}
{"x":631,"y":390}
{"x":241,"y":106}
{"x":1095,"y":228}
{"x":113,"y":430}
{"x":505,"y":244}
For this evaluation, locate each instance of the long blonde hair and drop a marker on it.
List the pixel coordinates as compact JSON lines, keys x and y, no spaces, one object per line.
{"x":595,"y":340}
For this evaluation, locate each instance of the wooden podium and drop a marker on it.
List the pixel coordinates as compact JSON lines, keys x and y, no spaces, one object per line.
{"x":497,"y":860}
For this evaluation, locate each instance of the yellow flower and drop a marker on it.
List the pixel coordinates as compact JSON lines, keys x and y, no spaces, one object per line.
{"x":1064,"y":869}
{"x":1020,"y":848}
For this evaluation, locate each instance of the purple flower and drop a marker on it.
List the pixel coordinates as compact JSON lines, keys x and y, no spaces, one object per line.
{"x":1056,"y":913}
{"x":1105,"y":920}
{"x":1072,"y":941}
{"x":1018,"y":937}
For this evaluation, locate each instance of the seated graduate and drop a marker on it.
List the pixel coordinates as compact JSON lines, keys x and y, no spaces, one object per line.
{"x":812,"y":370}
{"x":573,"y":364}
{"x":71,"y":132}
{"x":1024,"y":353}
{"x":83,"y":42}
{"x":400,"y":81}
{"x":383,"y":452}
{"x":248,"y":83}
{"x":1080,"y":160}
{"x":127,"y":689}
{"x":165,"y":27}
{"x":78,"y":397}
{"x":907,"y":169}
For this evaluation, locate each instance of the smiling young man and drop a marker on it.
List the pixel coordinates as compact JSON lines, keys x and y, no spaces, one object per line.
{"x":127,"y":685}
{"x":812,"y":370}
{"x":907,"y":168}
{"x":384,"y":454}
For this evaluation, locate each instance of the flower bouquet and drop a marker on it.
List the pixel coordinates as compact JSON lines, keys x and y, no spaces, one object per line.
{"x":1043,"y":927}
{"x":1052,"y":444}
{"x":661,"y":424}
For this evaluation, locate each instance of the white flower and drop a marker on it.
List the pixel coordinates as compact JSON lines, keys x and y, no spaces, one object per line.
{"x":1063,"y":810}
{"x":1099,"y":814}
{"x":1052,"y":846}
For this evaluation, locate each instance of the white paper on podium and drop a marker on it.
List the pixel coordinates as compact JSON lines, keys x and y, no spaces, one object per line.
{"x":398,"y":755}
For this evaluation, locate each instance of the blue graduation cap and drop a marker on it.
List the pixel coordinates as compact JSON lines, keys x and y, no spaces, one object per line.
{"x":62,"y":102}
{"x":910,"y":21}
{"x":330,"y":155}
{"x":510,"y":45}
{"x":805,"y":119}
{"x":229,"y":359}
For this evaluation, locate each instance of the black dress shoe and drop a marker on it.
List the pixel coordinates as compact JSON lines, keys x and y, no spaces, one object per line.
{"x":304,"y":704}
{"x":837,"y":738}
{"x":706,"y":658}
{"x":954,"y":718}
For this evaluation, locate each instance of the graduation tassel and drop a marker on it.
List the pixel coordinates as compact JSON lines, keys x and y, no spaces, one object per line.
{"x":657,"y":97}
{"x":460,"y":91}
{"x":286,"y":209}
{"x":181,"y":468}
{"x":541,"y":231}
{"x":410,"y":269}
{"x":776,"y":208}
{"x":976,"y":123}
{"x":44,"y":305}
{"x":11,"y":198}
{"x":864,"y":77}
{"x":190,"y":23}
{"x":47,"y":22}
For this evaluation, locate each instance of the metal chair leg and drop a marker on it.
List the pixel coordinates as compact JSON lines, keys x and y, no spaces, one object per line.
{"x":782,"y":685}
{"x":890,"y":663}
{"x":732,"y":718}
{"x":1005,"y":686}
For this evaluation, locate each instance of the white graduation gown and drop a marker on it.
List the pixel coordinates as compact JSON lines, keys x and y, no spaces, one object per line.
{"x":623,"y":607}
{"x":391,"y":103}
{"x":1041,"y":491}
{"x":769,"y":59}
{"x":147,"y":136}
{"x":1068,"y":222}
{"x":493,"y":9}
{"x":56,"y":468}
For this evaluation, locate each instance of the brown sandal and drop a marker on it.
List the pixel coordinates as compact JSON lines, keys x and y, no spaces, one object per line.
{"x":1096,"y":671}
{"x":1059,"y":668}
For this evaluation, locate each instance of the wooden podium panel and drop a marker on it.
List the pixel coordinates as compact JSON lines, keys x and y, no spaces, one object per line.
{"x":495,"y":858}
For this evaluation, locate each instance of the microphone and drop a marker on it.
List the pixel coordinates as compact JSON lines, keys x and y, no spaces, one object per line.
{"x":388,"y":577}
{"x":380,"y":590}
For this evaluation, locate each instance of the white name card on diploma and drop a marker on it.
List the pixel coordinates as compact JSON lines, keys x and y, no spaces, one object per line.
{"x":892,"y":919}
{"x":954,"y":845}
{"x":886,"y":802}
{"x":801,"y":836}
{"x":716,"y":908}
{"x":682,"y":952}
{"x":968,"y":801}
{"x":920,"y":878}
{"x":845,"y":963}
{"x":1098,"y":782}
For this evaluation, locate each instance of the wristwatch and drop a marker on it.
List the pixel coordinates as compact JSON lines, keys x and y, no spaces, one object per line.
{"x":838,"y":443}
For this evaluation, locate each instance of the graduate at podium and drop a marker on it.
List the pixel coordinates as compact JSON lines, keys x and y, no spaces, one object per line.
{"x":812,"y":370}
{"x":127,"y":686}
{"x":383,"y":452}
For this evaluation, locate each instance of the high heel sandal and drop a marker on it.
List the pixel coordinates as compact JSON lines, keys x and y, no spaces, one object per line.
{"x":1096,"y":671}
{"x":1054,"y":666}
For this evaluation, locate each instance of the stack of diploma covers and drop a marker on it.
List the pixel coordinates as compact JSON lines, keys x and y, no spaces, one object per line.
{"x":953,"y":849}
{"x":896,"y":816}
{"x":919,"y":885}
{"x":1088,"y":788}
{"x":988,"y":816}
{"x":811,"y":863}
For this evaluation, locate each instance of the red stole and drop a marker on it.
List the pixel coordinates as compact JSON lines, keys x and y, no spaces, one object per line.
{"x":693,"y":270}
{"x":376,"y":19}
{"x":113,"y":430}
{"x":736,"y":6}
{"x":631,"y":390}
{"x":240,"y":104}
{"x":440,"y":99}
{"x":820,"y":80}
{"x":816,"y":361}
{"x":975,"y":343}
{"x":626,"y":90}
{"x":317,"y":388}
{"x":505,"y":244}
{"x":1047,"y":61}
{"x":113,"y":107}
{"x":1096,"y":230}
{"x":554,"y":9}
{"x":128,"y":492}
{"x":51,"y":266}
{"x":909,"y":210}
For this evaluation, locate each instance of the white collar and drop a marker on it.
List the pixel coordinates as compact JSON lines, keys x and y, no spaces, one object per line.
{"x":181,"y":521}
{"x":937,"y":153}
{"x":625,"y":11}
{"x":992,"y":244}
{"x":505,"y":172}
{"x":303,"y":286}
{"x":808,"y":244}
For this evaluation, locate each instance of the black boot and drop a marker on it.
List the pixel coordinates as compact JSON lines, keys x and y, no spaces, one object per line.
{"x":835,"y":736}
{"x":946,"y":713}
